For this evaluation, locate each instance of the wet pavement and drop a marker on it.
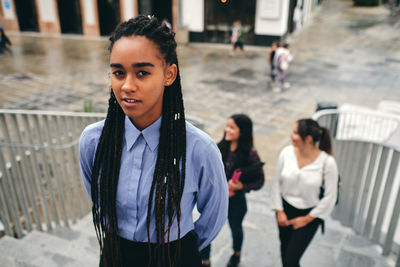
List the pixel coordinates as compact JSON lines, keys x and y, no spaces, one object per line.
{"x":345,"y":55}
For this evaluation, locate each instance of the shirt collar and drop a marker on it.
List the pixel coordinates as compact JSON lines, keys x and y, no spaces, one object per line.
{"x":151,"y":134}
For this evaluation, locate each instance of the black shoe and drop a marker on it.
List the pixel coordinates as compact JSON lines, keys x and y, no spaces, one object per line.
{"x":234,"y":261}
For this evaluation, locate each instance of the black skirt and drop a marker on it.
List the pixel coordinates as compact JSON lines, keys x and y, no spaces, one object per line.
{"x":136,"y":254}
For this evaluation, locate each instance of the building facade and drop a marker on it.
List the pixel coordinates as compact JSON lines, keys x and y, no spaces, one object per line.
{"x":201,"y":20}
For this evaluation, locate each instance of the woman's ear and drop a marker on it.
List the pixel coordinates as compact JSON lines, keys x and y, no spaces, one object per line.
{"x":309,"y":139}
{"x":170,"y":74}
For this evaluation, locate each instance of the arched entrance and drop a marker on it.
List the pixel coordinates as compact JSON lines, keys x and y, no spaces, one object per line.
{"x":220,"y":14}
{"x":109,"y":15}
{"x":27,"y":16}
{"x":70,"y":16}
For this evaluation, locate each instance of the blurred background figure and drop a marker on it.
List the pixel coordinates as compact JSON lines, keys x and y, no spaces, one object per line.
{"x":238,"y":155}
{"x":271,"y":55}
{"x":5,"y":43}
{"x":237,"y":37}
{"x":282,"y":59}
{"x":166,"y":23}
{"x":300,"y":204}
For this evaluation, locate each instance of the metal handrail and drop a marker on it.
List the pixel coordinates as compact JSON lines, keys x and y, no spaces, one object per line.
{"x":40,"y":183}
{"x":369,"y":199}
{"x":359,"y":125}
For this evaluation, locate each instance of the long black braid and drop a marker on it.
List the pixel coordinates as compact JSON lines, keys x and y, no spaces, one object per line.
{"x":169,"y":174}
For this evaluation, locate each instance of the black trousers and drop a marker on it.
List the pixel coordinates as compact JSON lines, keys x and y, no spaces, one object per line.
{"x":236,"y":212}
{"x":136,"y":254}
{"x":295,"y":242}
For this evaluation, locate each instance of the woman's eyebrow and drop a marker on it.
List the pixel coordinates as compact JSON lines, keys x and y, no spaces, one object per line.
{"x":142,"y":64}
{"x":135,"y":65}
{"x":115,"y":65}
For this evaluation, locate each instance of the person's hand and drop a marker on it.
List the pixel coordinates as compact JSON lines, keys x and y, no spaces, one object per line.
{"x":301,"y":221}
{"x":282,"y":218}
{"x":235,"y":186}
{"x":231,"y":193}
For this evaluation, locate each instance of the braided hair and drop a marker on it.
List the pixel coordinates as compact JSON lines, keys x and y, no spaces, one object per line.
{"x":318,"y":134}
{"x":168,"y":179}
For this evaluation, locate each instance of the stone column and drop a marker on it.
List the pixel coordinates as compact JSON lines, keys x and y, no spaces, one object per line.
{"x":47,"y":13}
{"x":175,"y":14}
{"x":90,"y":17}
{"x":8,"y":15}
{"x":128,"y":9}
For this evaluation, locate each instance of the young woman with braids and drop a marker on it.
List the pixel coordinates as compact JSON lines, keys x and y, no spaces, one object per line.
{"x":302,"y":169}
{"x":238,"y":153}
{"x":145,"y":167}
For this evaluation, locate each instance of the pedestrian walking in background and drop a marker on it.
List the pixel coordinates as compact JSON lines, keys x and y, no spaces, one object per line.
{"x":303,"y":169}
{"x":166,"y":22}
{"x":145,"y":167}
{"x":244,"y":173}
{"x":282,"y":59}
{"x":237,"y":37}
{"x":5,"y":43}
{"x":271,"y":56}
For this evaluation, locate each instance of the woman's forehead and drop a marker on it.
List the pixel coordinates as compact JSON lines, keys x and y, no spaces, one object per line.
{"x":135,"y":48}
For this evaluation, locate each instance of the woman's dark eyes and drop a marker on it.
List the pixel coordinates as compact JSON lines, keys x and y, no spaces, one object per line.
{"x":142,"y":73}
{"x":118,"y":73}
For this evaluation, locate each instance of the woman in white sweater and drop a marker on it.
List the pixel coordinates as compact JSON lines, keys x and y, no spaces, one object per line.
{"x":302,"y":169}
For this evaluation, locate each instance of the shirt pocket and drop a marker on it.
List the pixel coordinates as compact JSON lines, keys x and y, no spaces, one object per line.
{"x":191,"y":188}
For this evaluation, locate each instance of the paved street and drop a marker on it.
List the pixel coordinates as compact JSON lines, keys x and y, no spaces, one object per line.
{"x":345,"y":55}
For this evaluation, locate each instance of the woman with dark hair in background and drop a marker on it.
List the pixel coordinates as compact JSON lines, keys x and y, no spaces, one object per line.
{"x":238,"y":153}
{"x":302,"y":169}
{"x":145,"y":167}
{"x":271,"y":55}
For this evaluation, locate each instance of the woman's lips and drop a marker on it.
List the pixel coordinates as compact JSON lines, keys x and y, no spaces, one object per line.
{"x":130,"y":103}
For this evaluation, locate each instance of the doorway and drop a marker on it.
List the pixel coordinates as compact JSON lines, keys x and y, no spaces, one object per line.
{"x":27,"y":16}
{"x":70,"y":16}
{"x":291,"y":22}
{"x":161,"y":9}
{"x":220,"y":14}
{"x":109,"y":15}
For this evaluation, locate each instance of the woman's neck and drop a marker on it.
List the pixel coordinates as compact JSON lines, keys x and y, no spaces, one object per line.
{"x":308,"y":151}
{"x":233,"y":146}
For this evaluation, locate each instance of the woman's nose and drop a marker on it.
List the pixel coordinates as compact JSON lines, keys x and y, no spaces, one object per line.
{"x":129,"y":84}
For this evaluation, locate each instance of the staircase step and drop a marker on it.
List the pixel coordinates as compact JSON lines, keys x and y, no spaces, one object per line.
{"x":22,"y":254}
{"x":85,"y":225}
{"x":82,"y":247}
{"x":6,"y":261}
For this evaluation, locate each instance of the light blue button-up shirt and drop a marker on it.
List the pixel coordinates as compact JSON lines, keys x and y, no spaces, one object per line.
{"x":205,"y":183}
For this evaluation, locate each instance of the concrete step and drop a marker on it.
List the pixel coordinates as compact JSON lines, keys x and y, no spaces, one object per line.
{"x":78,"y":246}
{"x":85,"y":225}
{"x":20,"y":253}
{"x":6,"y":261}
{"x":72,"y":247}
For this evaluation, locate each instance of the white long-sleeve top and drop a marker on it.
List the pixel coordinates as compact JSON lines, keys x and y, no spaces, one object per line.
{"x":300,"y":187}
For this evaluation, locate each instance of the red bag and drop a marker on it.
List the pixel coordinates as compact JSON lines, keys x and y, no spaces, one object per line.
{"x":235,"y":177}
